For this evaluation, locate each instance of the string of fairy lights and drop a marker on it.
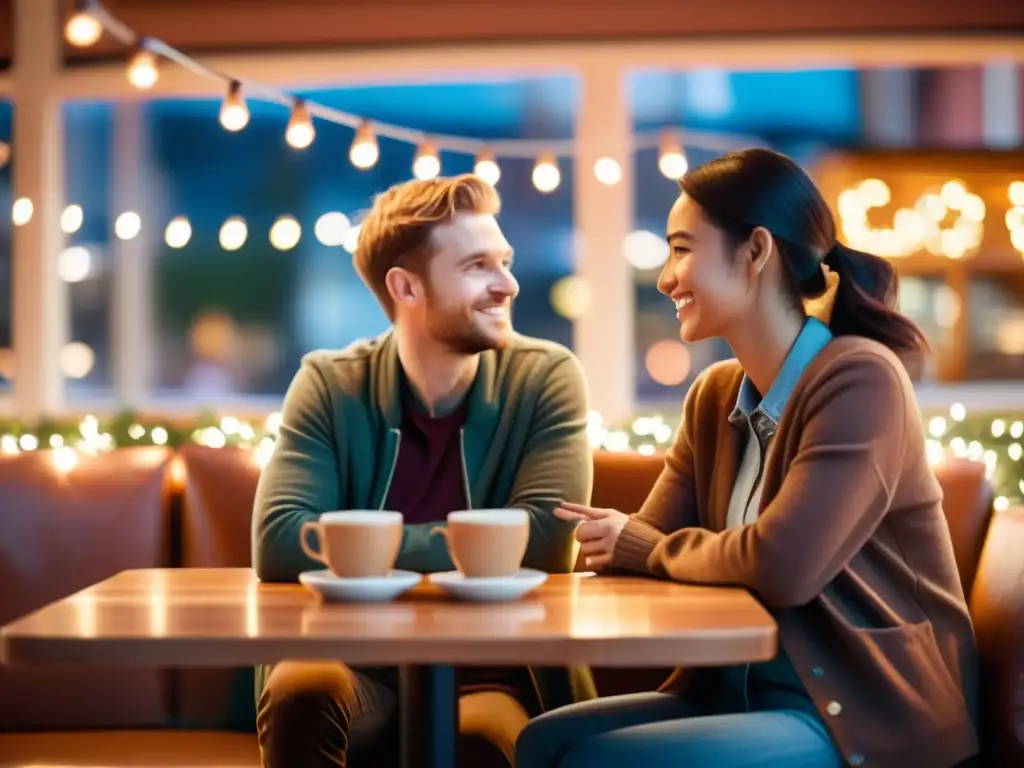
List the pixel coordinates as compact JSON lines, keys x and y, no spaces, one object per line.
{"x":998,"y":442}
{"x":90,"y":21}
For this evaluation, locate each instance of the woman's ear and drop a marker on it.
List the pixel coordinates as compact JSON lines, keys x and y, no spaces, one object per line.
{"x":759,"y":247}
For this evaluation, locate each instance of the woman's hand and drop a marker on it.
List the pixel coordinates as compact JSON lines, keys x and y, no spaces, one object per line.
{"x":597,"y":533}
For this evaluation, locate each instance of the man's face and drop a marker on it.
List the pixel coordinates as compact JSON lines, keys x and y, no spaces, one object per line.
{"x":468,"y":286}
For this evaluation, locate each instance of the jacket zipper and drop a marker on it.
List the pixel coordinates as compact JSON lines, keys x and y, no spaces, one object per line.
{"x":391,"y":472}
{"x":465,"y":469}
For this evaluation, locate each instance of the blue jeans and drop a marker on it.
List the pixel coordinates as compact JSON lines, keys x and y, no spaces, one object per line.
{"x":667,"y":729}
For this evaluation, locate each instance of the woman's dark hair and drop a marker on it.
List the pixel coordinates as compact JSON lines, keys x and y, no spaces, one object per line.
{"x":760,"y":188}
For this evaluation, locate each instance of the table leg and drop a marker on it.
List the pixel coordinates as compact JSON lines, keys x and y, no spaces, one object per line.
{"x":429,"y":716}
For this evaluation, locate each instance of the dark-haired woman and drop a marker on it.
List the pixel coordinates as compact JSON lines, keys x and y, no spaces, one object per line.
{"x":798,"y":472}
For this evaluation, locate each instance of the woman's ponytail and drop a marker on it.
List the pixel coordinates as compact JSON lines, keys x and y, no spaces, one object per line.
{"x":866,"y":300}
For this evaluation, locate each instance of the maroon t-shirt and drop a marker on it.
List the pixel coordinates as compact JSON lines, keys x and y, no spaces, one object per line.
{"x":427,"y":484}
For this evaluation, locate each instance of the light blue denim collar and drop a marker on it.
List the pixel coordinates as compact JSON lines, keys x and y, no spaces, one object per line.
{"x":765,"y":412}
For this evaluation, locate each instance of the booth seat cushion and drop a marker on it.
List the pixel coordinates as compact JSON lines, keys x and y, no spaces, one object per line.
{"x":60,"y":532}
{"x":216,"y":512}
{"x":967,"y":497}
{"x":622,"y":481}
{"x":997,"y":607}
{"x":129,"y":749}
{"x":216,"y":519}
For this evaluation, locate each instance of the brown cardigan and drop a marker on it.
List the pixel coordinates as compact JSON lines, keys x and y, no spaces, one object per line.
{"x":851,"y":551}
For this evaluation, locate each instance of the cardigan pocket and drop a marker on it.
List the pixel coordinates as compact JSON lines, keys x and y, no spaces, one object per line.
{"x":922,"y":686}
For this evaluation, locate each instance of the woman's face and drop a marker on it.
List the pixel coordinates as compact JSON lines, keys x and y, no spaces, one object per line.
{"x":709,"y":282}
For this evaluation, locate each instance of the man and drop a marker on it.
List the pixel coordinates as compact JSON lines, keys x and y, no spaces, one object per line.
{"x":448,"y":410}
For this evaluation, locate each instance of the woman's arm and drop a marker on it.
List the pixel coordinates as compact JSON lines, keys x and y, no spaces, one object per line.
{"x":835,"y":493}
{"x":672,"y":502}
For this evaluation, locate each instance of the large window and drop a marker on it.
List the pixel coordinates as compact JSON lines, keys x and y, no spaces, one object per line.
{"x":87,"y":264}
{"x":246,"y":269}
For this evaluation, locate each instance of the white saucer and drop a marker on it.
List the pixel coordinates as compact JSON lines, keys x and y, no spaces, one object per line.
{"x":369,"y":589}
{"x":489,"y":589}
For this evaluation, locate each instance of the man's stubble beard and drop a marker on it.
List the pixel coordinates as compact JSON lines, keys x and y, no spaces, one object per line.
{"x":458,"y":332}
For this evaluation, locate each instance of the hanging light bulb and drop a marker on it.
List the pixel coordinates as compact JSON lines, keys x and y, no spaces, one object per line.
{"x":426,"y":165}
{"x":285,"y":233}
{"x":83,"y":29}
{"x":234,"y":114}
{"x":364,"y":151}
{"x":487,"y":168}
{"x":300,"y":132}
{"x":671,"y":160}
{"x":178,"y":232}
{"x":142,"y":71}
{"x":546,"y":176}
{"x":233,"y":233}
{"x":608,"y":171}
{"x":71,"y":219}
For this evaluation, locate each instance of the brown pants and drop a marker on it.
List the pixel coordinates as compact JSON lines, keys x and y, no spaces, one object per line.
{"x":313,"y":714}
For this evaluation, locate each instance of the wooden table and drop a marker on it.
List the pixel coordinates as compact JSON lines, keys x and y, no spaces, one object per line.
{"x":225,"y":617}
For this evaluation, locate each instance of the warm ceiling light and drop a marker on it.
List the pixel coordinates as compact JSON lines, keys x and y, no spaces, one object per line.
{"x":83,"y":29}
{"x":234,"y":114}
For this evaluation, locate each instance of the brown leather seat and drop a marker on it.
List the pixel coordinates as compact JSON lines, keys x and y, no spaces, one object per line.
{"x":216,"y":519}
{"x":997,"y":607}
{"x":623,"y":480}
{"x":967,"y":502}
{"x":61,"y":531}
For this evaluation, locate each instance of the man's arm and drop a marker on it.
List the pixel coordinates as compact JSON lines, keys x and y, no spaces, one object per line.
{"x":300,"y":481}
{"x":557,"y":466}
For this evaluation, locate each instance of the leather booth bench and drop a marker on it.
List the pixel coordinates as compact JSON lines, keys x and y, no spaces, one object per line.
{"x":152,"y":507}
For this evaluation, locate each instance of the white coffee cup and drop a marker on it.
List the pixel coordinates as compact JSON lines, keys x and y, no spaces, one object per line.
{"x":356,"y":543}
{"x":487,"y":543}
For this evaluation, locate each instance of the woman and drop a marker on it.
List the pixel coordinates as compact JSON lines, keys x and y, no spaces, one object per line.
{"x":798,"y":472}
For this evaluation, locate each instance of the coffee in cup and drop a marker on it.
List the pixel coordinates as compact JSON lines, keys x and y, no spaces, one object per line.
{"x":487,"y":543}
{"x":355,"y":544}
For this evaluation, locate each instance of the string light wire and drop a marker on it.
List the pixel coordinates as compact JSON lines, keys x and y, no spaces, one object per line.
{"x":518,"y":148}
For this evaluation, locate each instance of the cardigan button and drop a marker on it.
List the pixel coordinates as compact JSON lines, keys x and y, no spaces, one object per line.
{"x":834,"y":708}
{"x":817,"y":672}
{"x":856,"y":759}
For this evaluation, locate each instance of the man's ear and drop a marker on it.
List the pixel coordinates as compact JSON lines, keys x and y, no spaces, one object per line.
{"x":403,"y":286}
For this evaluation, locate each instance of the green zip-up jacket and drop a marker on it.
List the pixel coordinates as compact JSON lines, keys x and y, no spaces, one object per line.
{"x":524,"y":445}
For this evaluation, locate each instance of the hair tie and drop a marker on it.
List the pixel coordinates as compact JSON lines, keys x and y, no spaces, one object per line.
{"x":834,"y":254}
{"x":821,"y":306}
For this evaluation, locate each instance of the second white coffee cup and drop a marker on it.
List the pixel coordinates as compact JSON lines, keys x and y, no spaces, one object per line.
{"x":487,"y":543}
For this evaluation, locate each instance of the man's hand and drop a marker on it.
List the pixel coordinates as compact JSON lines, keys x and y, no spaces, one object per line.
{"x":597,"y":533}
